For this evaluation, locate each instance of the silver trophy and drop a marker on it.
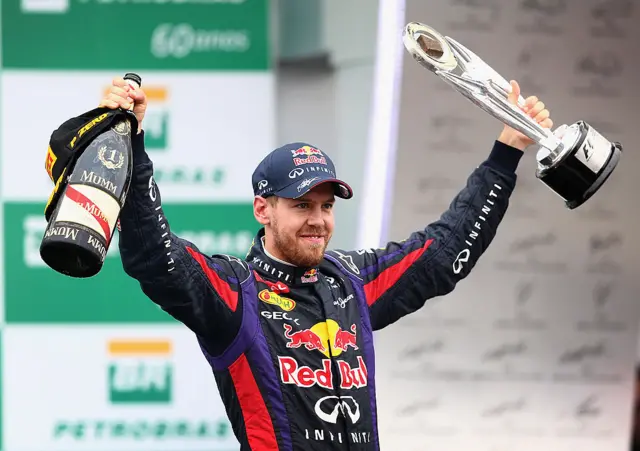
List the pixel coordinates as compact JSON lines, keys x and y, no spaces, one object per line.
{"x":573,"y":160}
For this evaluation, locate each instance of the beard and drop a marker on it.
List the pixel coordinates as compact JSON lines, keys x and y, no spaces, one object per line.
{"x":302,"y":255}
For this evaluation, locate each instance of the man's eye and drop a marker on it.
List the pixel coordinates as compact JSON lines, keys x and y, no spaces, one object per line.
{"x":302,"y":205}
{"x":329,"y":206}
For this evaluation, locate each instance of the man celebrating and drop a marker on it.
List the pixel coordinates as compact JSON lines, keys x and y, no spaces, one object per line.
{"x":288,"y":330}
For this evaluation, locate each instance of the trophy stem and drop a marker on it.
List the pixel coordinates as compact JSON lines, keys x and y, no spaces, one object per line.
{"x":495,"y":102}
{"x":517,"y":120}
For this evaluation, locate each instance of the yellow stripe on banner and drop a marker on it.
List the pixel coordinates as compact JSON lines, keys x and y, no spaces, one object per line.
{"x":140,"y":347}
{"x":153,"y":93}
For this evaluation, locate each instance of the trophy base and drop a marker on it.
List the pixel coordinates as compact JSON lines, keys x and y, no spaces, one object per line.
{"x":581,"y":170}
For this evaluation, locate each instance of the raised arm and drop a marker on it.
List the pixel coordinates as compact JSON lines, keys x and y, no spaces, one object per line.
{"x":399,"y":278}
{"x":198,"y":290}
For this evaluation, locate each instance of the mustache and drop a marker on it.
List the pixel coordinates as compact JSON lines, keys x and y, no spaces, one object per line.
{"x":316,"y":231}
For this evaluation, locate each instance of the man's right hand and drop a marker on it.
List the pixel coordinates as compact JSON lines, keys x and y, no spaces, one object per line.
{"x":123,"y":95}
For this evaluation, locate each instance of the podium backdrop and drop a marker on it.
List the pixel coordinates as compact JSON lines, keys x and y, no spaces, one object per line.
{"x":536,"y":348}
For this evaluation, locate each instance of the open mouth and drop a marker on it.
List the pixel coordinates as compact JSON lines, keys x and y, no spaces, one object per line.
{"x":315,"y":239}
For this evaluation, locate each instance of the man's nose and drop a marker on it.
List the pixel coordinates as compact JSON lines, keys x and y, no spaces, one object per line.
{"x":315,"y":218}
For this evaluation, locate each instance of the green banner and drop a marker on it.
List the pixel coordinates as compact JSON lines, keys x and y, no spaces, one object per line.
{"x":135,"y":34}
{"x":34,"y":293}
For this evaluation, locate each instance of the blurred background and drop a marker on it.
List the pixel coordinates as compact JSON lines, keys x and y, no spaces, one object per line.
{"x":536,"y":349}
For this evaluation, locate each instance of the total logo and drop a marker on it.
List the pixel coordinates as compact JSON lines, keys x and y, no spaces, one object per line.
{"x":308,"y":155}
{"x":273,"y":298}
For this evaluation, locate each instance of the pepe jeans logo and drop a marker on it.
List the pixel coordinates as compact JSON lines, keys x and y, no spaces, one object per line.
{"x":603,"y":250}
{"x":597,"y":73}
{"x":533,"y":254}
{"x":542,"y":16}
{"x":480,"y":16}
{"x":608,"y":15}
{"x":449,"y":133}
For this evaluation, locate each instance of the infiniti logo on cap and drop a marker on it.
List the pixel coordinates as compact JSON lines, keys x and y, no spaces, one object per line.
{"x":297,"y":172}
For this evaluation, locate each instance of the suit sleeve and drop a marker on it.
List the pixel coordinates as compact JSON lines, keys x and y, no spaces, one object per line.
{"x":200,"y":291}
{"x":399,"y":278}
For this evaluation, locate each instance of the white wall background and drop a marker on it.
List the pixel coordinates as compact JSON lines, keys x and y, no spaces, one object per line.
{"x":440,"y":405}
{"x":486,"y":367}
{"x":331,"y":107}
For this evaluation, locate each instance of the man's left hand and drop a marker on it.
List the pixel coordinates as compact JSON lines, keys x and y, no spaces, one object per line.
{"x":535,"y":109}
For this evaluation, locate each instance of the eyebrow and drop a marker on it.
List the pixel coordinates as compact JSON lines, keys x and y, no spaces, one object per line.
{"x":306,"y":199}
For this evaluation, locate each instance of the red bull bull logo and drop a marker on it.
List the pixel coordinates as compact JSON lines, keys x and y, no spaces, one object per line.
{"x":310,"y":276}
{"x":321,"y":336}
{"x":344,"y":339}
{"x":307,"y":338}
{"x":272,"y":298}
{"x":308,"y":155}
{"x":306,"y":151}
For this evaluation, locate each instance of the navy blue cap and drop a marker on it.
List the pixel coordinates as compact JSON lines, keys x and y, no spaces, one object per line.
{"x":293,"y":170}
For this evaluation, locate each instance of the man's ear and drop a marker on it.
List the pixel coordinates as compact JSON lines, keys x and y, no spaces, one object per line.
{"x":261,"y":210}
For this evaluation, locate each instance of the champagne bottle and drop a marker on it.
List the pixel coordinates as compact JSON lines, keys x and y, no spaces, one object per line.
{"x":81,"y":227}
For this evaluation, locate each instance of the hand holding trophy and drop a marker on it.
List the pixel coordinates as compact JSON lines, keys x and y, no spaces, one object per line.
{"x":574,"y":161}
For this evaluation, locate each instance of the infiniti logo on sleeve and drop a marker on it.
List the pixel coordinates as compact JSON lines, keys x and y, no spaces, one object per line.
{"x":465,"y":254}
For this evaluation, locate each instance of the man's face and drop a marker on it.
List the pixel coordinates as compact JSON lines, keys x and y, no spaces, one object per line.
{"x":299,"y":230}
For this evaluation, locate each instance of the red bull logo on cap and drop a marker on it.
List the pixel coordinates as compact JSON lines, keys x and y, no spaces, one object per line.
{"x":306,"y":151}
{"x":308,"y":155}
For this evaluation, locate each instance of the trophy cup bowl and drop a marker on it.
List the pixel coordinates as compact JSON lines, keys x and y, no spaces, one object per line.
{"x":573,"y":161}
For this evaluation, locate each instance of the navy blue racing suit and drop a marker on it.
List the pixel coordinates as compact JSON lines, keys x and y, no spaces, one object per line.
{"x":291,"y":349}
